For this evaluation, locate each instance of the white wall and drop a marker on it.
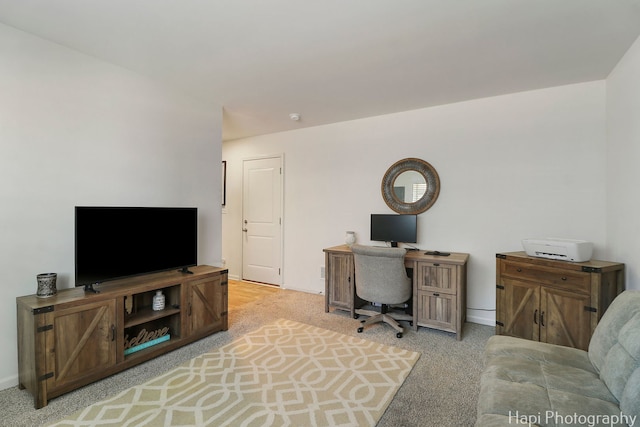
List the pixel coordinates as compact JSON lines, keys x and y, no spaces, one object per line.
{"x":623,"y":159}
{"x":77,"y":131}
{"x":523,"y":165}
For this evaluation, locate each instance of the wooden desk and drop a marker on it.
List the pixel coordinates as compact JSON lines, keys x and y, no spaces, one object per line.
{"x":439,"y":287}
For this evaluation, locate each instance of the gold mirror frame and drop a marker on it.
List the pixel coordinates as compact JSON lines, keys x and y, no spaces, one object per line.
{"x":426,"y":201}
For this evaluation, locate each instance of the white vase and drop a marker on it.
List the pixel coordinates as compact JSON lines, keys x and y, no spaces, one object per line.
{"x":350,"y":238}
{"x":158,"y":301}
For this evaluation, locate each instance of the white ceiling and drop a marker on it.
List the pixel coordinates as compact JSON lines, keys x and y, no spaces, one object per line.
{"x":336,"y":60}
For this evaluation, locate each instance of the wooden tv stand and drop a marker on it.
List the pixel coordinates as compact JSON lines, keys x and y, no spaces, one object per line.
{"x":75,"y":337}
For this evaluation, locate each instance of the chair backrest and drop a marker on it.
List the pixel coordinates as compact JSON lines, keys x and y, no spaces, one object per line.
{"x":381,"y":275}
{"x":614,"y":350}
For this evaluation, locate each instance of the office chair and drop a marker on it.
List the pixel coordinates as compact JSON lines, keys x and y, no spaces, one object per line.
{"x":381,"y":278}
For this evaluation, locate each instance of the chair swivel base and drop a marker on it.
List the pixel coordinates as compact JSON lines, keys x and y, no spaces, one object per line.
{"x":384,"y":318}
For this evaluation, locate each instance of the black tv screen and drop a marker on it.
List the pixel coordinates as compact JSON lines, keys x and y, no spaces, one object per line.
{"x":394,"y":228}
{"x":116,"y":242}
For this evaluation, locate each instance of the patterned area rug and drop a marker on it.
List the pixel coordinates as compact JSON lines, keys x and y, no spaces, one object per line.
{"x":285,"y":373}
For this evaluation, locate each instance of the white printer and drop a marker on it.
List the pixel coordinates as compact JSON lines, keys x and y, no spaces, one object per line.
{"x":562,"y":249}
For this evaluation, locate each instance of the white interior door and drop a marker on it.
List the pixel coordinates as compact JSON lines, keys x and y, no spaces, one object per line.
{"x":262,"y":220}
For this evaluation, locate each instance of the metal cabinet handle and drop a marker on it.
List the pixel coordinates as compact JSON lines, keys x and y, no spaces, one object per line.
{"x":519,"y":270}
{"x":113,"y":332}
{"x":542,"y":318}
{"x":535,"y":317}
{"x":564,"y":278}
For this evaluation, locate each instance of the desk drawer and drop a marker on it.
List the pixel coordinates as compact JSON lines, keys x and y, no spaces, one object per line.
{"x":566,"y":279}
{"x":437,"y":309}
{"x":437,"y":277}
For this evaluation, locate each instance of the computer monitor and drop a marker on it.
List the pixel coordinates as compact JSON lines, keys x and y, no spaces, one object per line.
{"x":394,"y":228}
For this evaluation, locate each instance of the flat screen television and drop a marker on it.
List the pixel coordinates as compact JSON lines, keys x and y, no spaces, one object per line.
{"x":117,"y":242}
{"x":394,"y":228}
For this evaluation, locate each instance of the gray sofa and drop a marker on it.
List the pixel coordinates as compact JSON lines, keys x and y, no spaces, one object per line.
{"x":531,"y":383}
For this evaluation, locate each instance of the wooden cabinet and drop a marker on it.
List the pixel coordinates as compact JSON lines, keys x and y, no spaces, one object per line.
{"x":439,"y":287}
{"x":74,"y":338}
{"x":557,"y":302}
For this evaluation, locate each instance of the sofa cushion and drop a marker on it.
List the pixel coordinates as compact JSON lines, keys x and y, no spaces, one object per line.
{"x":504,"y":402}
{"x":623,"y":308}
{"x":495,"y":420}
{"x":615,"y":350}
{"x":539,"y":382}
{"x":630,"y":402}
{"x":502,"y":345}
{"x":549,"y":375}
{"x":622,"y":364}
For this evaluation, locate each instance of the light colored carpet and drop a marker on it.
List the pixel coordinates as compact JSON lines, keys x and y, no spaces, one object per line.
{"x":441,"y":390}
{"x":284,"y":373}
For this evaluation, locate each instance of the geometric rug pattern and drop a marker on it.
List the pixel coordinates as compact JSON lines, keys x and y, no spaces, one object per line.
{"x":283,"y":374}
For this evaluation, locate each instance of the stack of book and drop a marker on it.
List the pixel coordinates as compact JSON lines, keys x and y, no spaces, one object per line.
{"x":147,"y":344}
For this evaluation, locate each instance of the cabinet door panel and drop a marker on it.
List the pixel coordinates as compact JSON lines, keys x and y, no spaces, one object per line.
{"x":341,"y":280}
{"x":521,"y":309}
{"x":81,"y":343}
{"x":207,"y":304}
{"x":437,"y":310}
{"x":564,"y":319}
{"x":437,"y":277}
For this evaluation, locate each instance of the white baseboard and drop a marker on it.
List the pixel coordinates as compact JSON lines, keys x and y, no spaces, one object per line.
{"x":8,"y":382}
{"x":308,"y":291}
{"x":485,"y":318}
{"x":482,"y":320}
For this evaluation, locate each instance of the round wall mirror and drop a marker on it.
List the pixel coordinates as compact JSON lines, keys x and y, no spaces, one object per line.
{"x":410,"y":186}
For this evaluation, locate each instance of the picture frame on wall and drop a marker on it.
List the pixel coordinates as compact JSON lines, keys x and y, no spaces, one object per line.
{"x":224,"y":182}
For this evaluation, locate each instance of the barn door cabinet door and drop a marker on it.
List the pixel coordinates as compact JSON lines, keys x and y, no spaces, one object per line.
{"x":59,"y":349}
{"x":207,"y":310}
{"x":81,"y":343}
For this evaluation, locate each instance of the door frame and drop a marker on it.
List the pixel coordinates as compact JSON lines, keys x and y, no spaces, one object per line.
{"x":279,"y":156}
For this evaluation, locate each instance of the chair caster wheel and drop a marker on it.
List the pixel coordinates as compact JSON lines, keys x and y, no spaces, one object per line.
{"x":399,"y":335}
{"x":410,"y":323}
{"x":360,"y":330}
{"x":356,"y":316}
{"x":362,"y":321}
